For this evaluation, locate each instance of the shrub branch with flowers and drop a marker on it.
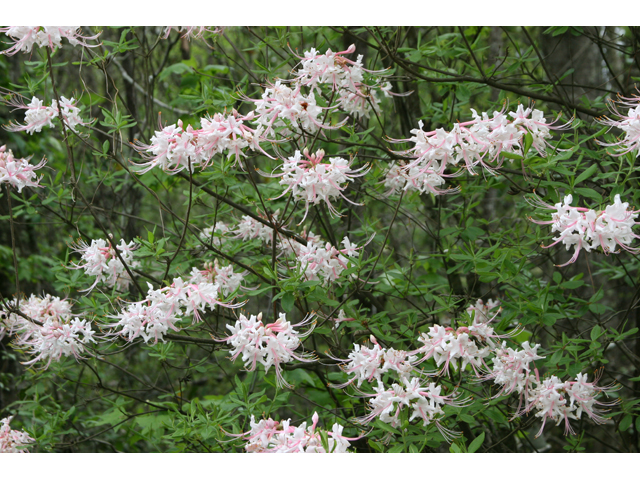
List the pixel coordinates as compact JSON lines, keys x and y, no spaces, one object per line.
{"x":225,"y":232}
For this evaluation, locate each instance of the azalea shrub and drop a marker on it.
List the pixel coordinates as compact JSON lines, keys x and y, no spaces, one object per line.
{"x":319,"y":240}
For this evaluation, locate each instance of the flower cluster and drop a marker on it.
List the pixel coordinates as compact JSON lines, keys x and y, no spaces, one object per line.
{"x":629,"y":124}
{"x":225,"y":277}
{"x":470,"y":345}
{"x":551,"y":399}
{"x":37,"y":115}
{"x":324,"y":263}
{"x":589,"y":229}
{"x":479,"y":141}
{"x":152,"y":318}
{"x":426,"y":402}
{"x":13,"y":441}
{"x":249,"y":228}
{"x":18,"y":172}
{"x":216,"y":235}
{"x":24,"y":38}
{"x":449,"y":347}
{"x":191,"y":32}
{"x":511,"y":368}
{"x":58,"y":332}
{"x":172,"y":149}
{"x":282,"y":106}
{"x":100,"y":260}
{"x":367,"y":364}
{"x":481,"y":310}
{"x":271,"y":436}
{"x":175,"y":148}
{"x":313,"y":181}
{"x":344,"y":76}
{"x":270,"y":345}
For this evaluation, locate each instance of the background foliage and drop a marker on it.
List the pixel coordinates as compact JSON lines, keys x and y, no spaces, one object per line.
{"x":431,"y":256}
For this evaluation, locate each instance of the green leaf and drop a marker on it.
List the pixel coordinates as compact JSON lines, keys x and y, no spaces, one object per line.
{"x":476,"y":444}
{"x":528,"y":141}
{"x":288,"y":300}
{"x":177,"y":68}
{"x":511,"y":156}
{"x":595,"y":333}
{"x":589,"y":193}
{"x":625,"y":423}
{"x":386,"y":427}
{"x":586,"y":174}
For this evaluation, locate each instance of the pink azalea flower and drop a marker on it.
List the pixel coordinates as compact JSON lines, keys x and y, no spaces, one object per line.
{"x":24,"y":38}
{"x":18,"y":172}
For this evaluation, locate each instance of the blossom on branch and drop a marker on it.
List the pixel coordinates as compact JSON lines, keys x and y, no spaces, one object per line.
{"x":367,"y":364}
{"x":18,"y":172}
{"x":589,"y":229}
{"x":175,"y":148}
{"x":629,"y":124}
{"x":324,"y":262}
{"x":225,"y":277}
{"x":100,"y":260}
{"x":38,"y":115}
{"x":426,"y":401}
{"x":152,"y":318}
{"x":58,"y":332}
{"x":313,"y":181}
{"x":13,"y":441}
{"x":555,"y":400}
{"x":191,"y":32}
{"x":270,"y":436}
{"x":270,"y":345}
{"x":482,"y":141}
{"x":24,"y":38}
{"x":282,"y":106}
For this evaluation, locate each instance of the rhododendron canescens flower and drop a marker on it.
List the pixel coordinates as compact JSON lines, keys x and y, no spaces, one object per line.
{"x":13,"y":441}
{"x":18,"y":172}
{"x":271,"y":345}
{"x":25,"y":38}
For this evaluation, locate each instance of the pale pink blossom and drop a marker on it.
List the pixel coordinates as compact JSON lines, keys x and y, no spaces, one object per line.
{"x":191,"y":32}
{"x":228,"y":280}
{"x":100,"y":260}
{"x":629,"y":124}
{"x":481,"y":141}
{"x":13,"y":441}
{"x":283,"y":106}
{"x":325,"y":262}
{"x":228,"y":134}
{"x":25,"y":38}
{"x":313,"y":181}
{"x":59,"y":333}
{"x":270,"y":436}
{"x":426,"y":401}
{"x":216,"y":235}
{"x":481,"y":310}
{"x":172,"y":149}
{"x":589,"y":229}
{"x":270,"y":345}
{"x":18,"y":172}
{"x":368,"y":364}
{"x":163,"y":308}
